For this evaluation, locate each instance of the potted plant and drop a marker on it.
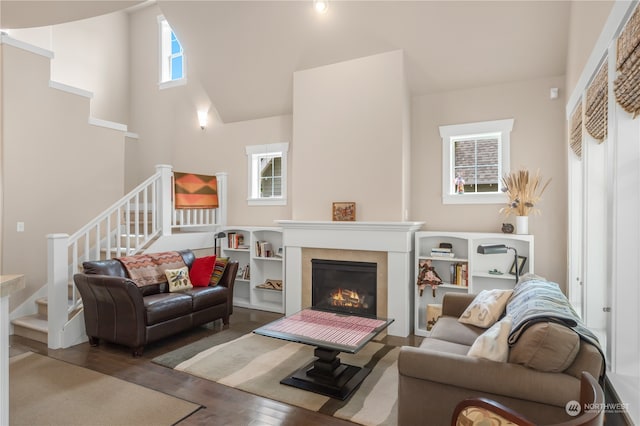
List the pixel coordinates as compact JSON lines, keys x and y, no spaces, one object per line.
{"x":524,"y":192}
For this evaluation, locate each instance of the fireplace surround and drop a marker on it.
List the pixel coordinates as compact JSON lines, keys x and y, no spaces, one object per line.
{"x":389,"y":244}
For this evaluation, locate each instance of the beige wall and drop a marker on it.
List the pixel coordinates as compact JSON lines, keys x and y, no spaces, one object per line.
{"x":585,"y":26}
{"x":167,"y":123}
{"x":58,"y":171}
{"x":349,"y":138}
{"x":537,"y":142}
{"x":91,"y":54}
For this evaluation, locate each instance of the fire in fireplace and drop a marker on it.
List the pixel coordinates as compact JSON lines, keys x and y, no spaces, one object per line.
{"x":344,"y":286}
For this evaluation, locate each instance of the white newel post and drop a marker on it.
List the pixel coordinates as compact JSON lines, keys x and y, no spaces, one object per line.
{"x":165,"y":197}
{"x":221,"y":179}
{"x":58,"y":286}
{"x":8,"y":284}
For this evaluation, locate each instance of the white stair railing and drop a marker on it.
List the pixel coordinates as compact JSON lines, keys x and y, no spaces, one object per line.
{"x":123,"y":229}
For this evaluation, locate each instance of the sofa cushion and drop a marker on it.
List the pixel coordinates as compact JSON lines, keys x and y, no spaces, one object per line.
{"x":206,"y":297}
{"x":493,"y":344}
{"x":451,"y":330}
{"x":444,"y":346}
{"x":201,"y":270}
{"x":165,"y":306}
{"x":178,"y":279}
{"x":218,"y":270}
{"x":546,"y":346}
{"x":486,"y":308}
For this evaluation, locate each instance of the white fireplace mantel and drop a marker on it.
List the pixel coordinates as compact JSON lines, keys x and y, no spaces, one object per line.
{"x":394,"y":238}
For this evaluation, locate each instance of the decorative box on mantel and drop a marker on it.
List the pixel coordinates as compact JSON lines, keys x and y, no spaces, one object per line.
{"x":389,"y":244}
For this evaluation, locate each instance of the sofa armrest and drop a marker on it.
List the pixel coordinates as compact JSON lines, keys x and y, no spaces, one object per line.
{"x":228,"y":280}
{"x":113,"y":309}
{"x":454,"y":304}
{"x":484,"y":376}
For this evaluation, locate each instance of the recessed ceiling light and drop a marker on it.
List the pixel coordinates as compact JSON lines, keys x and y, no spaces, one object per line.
{"x":321,"y":6}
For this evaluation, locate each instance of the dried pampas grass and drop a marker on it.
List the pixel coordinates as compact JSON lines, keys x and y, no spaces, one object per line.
{"x":524,"y":192}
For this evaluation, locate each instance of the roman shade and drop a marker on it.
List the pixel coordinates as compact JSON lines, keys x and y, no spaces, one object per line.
{"x":575,"y":137}
{"x":627,"y":82}
{"x":595,"y":115}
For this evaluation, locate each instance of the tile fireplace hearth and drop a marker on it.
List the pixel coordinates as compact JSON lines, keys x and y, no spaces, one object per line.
{"x":388,"y":244}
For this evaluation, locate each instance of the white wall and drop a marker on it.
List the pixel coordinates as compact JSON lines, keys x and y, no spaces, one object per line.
{"x":91,"y":54}
{"x":167,"y":123}
{"x":537,"y":142}
{"x":58,"y":171}
{"x":349,"y":130}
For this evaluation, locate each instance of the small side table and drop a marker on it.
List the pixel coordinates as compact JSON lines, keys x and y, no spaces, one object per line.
{"x":9,"y":284}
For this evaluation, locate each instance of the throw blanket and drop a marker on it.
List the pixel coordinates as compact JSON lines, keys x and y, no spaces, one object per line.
{"x":195,"y":191}
{"x":148,"y":269}
{"x":536,"y":301}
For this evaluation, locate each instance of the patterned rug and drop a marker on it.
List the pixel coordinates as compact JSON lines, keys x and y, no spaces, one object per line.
{"x":256,"y":364}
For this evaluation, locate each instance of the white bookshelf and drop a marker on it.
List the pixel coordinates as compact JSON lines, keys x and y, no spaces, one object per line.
{"x":464,"y":249}
{"x":262,"y":266}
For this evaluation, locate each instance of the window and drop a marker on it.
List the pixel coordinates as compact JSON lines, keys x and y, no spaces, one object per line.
{"x":267,"y":166}
{"x":172,"y":66}
{"x":475,"y":156}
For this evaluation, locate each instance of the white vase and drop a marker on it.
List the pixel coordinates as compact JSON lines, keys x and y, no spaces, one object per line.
{"x":522,"y":225}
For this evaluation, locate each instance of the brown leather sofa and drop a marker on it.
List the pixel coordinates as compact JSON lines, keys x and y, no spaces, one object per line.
{"x":436,"y":376}
{"x":118,"y":311}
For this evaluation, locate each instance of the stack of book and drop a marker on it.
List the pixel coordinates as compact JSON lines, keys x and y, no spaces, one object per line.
{"x":459,"y":274}
{"x":263,"y":249}
{"x":441,"y":252}
{"x":236,"y":241}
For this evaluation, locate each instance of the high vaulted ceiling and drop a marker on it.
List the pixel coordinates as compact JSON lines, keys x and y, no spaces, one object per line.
{"x":243,"y":53}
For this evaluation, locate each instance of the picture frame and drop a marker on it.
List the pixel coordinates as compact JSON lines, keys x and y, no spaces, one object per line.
{"x":344,"y":211}
{"x":521,"y":261}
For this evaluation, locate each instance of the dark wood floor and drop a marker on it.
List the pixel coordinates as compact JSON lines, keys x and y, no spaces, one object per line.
{"x":222,"y":405}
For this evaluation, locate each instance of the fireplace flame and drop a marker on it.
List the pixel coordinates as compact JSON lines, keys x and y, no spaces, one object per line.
{"x":346,"y":298}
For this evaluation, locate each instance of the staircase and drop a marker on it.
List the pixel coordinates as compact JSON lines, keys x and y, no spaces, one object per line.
{"x":142,"y":219}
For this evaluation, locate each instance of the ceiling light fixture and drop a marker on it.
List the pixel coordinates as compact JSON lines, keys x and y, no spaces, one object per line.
{"x":321,"y":6}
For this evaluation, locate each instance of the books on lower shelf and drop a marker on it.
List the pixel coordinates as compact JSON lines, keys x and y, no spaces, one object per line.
{"x":459,"y":274}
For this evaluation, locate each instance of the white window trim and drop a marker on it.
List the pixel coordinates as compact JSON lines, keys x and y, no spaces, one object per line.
{"x":456,"y":131}
{"x":281,"y":148}
{"x":169,"y":83}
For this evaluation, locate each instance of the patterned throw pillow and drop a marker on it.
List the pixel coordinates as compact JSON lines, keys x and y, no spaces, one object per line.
{"x":201,"y":271}
{"x":486,"y":308}
{"x":178,"y":279}
{"x":218,"y":270}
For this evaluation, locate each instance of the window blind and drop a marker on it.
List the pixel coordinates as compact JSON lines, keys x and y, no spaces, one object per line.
{"x":626,"y":86}
{"x":575,"y":139}
{"x":595,"y":114}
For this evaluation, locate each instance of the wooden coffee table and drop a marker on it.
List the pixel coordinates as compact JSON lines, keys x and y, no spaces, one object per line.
{"x":331,"y":333}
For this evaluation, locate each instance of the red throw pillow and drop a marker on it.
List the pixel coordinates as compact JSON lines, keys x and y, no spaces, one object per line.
{"x":201,"y":271}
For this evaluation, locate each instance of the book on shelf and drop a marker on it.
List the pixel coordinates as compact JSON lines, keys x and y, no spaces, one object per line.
{"x":459,"y":274}
{"x":235,"y":240}
{"x":264,"y":249}
{"x":246,"y":273}
{"x":441,"y":254}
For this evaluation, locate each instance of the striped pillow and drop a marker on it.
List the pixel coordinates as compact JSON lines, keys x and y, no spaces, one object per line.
{"x":218,"y":270}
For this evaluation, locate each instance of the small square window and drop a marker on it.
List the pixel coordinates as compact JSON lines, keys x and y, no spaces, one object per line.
{"x":474,"y":158}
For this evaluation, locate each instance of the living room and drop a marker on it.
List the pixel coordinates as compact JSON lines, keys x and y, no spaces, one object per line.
{"x":373,"y":140}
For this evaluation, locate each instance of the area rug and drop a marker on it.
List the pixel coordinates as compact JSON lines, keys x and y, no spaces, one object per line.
{"x":46,"y":391}
{"x":256,"y":364}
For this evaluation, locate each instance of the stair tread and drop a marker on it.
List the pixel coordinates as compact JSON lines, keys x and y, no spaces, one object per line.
{"x":34,"y":322}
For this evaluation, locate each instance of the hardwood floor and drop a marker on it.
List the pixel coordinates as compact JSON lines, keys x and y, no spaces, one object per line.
{"x":222,"y":405}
